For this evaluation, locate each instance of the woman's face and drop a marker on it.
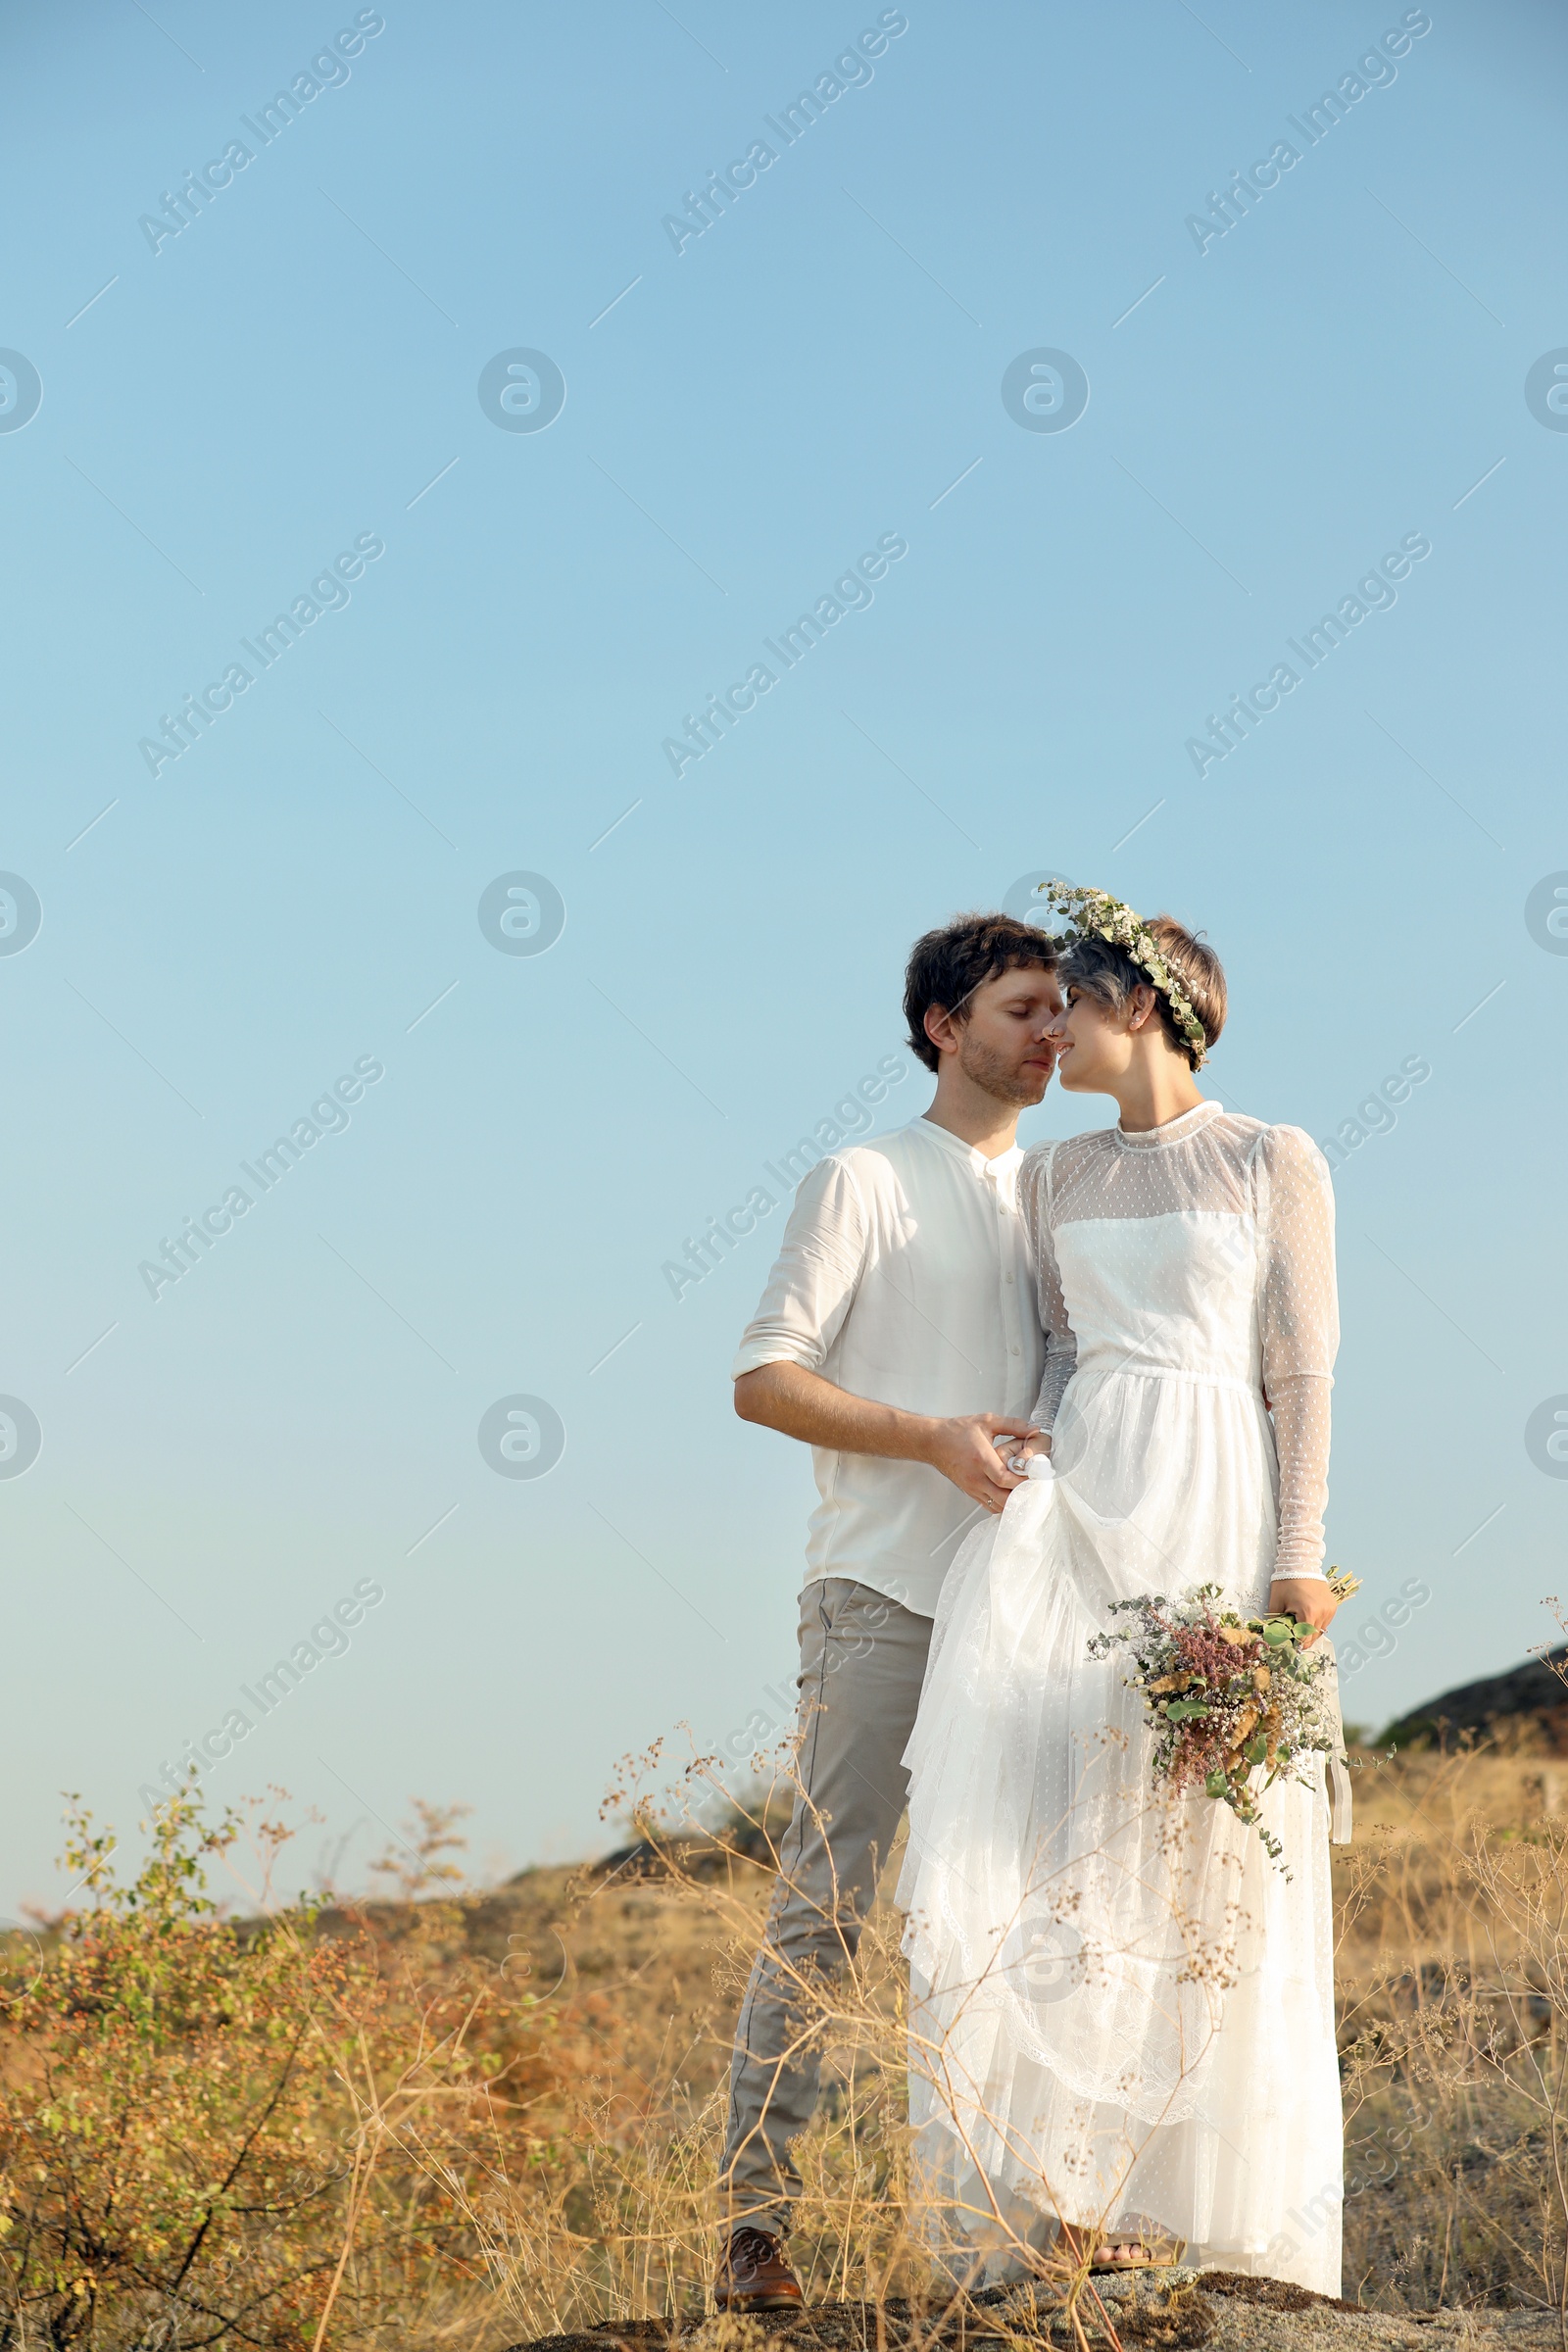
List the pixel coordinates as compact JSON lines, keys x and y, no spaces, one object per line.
{"x":1094,"y":1045}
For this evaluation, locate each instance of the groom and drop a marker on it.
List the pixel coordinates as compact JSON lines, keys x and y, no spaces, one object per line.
{"x":897,"y":1337}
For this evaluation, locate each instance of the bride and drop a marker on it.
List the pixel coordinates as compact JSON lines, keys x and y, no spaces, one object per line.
{"x":1122,"y":2016}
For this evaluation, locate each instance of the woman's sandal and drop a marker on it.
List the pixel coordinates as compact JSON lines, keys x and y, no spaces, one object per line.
{"x":1131,"y":2253}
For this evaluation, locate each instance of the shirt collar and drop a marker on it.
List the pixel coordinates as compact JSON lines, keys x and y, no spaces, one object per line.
{"x":1174,"y":1131}
{"x":1002,"y":1164}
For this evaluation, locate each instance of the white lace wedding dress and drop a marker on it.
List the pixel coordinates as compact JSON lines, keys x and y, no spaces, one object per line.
{"x":1121,"y":2009}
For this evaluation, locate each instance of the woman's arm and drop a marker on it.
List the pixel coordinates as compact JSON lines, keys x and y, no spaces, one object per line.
{"x":1062,"y":1346}
{"x":1299,"y":1331}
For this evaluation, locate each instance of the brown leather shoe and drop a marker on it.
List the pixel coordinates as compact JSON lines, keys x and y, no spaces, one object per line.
{"x":754,"y":2275}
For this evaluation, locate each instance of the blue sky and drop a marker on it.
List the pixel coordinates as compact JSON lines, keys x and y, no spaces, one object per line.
{"x":295,"y":376}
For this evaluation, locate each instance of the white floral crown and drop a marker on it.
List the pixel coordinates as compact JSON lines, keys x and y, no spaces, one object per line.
{"x":1095,"y":913}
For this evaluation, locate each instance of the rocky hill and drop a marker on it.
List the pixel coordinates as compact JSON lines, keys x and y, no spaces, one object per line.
{"x":1528,"y":1705}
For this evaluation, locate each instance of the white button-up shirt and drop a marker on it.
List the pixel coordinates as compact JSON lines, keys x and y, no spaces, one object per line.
{"x":903,"y":1277}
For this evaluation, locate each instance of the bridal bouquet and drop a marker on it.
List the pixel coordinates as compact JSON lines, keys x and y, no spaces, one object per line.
{"x":1228,"y":1697}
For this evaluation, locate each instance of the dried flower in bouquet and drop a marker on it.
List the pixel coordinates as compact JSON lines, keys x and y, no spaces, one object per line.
{"x":1235,"y":1703}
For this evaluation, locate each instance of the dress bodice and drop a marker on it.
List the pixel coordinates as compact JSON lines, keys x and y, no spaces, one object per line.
{"x":1201,"y":1251}
{"x":1172,"y":1294}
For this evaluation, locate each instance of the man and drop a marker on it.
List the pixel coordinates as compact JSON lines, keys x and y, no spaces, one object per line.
{"x":898,"y":1338}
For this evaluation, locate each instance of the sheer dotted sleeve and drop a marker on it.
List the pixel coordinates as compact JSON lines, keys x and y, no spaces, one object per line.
{"x":1299,"y":1323}
{"x":1061,"y":1347}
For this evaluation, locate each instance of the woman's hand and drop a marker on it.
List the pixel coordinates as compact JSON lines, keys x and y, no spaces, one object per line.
{"x":1309,"y":1598}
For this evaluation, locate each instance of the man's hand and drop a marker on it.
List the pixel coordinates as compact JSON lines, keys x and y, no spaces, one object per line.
{"x":962,"y":1449}
{"x":803,"y":1404}
{"x":1309,"y":1597}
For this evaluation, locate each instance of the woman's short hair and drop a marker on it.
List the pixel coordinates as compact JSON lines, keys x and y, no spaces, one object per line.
{"x":1109,"y":974}
{"x":947,"y":967}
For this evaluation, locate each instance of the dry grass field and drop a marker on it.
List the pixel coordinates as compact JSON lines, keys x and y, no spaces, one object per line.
{"x":478,"y":2119}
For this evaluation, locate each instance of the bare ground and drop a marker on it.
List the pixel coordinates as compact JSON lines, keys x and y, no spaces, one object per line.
{"x":1220,"y":2308}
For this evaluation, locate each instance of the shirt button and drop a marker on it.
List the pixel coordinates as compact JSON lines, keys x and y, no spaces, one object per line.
{"x":1015,"y":1350}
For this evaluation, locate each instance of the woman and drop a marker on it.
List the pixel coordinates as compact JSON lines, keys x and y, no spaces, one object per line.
{"x":1122,"y":2010}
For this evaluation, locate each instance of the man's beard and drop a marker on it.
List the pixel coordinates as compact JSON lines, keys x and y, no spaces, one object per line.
{"x":996,"y":1075}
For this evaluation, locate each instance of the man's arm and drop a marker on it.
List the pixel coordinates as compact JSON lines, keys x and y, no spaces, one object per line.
{"x":803,"y":1404}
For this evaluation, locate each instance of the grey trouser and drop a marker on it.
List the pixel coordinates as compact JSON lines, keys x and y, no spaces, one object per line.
{"x":862,"y":1659}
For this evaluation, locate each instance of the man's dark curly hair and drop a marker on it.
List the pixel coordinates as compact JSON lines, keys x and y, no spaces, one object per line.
{"x":947,"y":967}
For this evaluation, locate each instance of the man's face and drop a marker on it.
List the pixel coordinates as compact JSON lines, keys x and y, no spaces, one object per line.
{"x":1003,"y":1045}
